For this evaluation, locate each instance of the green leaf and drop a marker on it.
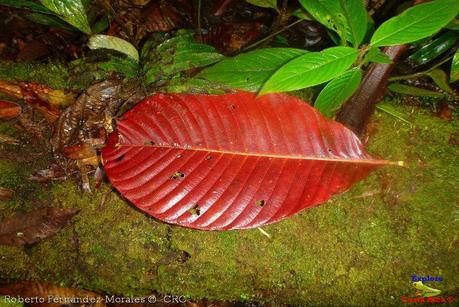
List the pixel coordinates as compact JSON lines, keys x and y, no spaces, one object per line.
{"x":337,"y":91}
{"x":98,"y":41}
{"x":264,"y":3}
{"x":415,"y":23}
{"x":175,"y":56}
{"x":454,"y":75}
{"x":413,"y":91}
{"x":250,"y":70}
{"x":375,"y":55}
{"x":348,"y":18}
{"x":311,"y":69}
{"x":357,"y":20}
{"x":329,"y":13}
{"x":441,"y":79}
{"x":453,"y":25}
{"x":391,"y":110}
{"x":72,"y":11}
{"x":24,"y":4}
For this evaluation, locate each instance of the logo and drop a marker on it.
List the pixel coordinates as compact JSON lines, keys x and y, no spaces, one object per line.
{"x":426,"y":293}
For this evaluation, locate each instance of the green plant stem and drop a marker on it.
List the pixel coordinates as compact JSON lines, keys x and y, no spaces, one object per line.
{"x":271,"y":35}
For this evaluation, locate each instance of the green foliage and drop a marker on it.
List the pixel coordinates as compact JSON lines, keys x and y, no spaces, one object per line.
{"x":311,"y":69}
{"x":338,"y":91}
{"x":176,"y":55}
{"x":434,"y":49}
{"x":413,"y":91}
{"x":416,"y":23}
{"x":26,"y":4}
{"x":454,"y":75}
{"x":48,"y":20}
{"x":250,"y":70}
{"x":264,"y":3}
{"x":123,"y":65}
{"x":375,"y":55}
{"x":357,"y":20}
{"x":347,"y":18}
{"x":99,"y":41}
{"x":392,"y":110}
{"x":72,"y":11}
{"x":441,"y":79}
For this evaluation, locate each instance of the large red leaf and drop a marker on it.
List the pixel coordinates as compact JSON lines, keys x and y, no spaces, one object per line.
{"x":219,"y":162}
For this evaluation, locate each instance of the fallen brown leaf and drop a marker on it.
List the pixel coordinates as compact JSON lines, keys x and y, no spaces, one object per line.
{"x":33,"y":226}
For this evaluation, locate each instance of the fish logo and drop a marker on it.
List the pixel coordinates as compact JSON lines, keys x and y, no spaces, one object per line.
{"x":425,"y":291}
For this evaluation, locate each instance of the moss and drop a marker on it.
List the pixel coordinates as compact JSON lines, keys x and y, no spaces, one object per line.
{"x":360,"y":248}
{"x":75,"y":76}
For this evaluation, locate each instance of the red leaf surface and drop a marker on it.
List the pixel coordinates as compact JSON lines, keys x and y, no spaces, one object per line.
{"x":233,"y":161}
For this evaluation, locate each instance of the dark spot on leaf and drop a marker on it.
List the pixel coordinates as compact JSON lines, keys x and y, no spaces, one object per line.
{"x":260,"y":202}
{"x":195,"y":210}
{"x":232,"y":106}
{"x":149,"y":143}
{"x":178,"y":175}
{"x":118,"y":159}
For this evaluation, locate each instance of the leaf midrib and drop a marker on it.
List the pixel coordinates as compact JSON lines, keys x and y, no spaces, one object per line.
{"x":275,"y":156}
{"x":407,"y":26}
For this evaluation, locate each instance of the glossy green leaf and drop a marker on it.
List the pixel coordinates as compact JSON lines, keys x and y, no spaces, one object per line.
{"x":311,"y":69}
{"x":357,"y":20}
{"x":72,"y":11}
{"x":454,"y":75}
{"x":250,"y":70}
{"x":416,"y":23}
{"x":25,"y":4}
{"x":337,"y":91}
{"x":264,"y":3}
{"x":413,"y":91}
{"x":375,"y":55}
{"x":175,"y":56}
{"x":99,"y":41}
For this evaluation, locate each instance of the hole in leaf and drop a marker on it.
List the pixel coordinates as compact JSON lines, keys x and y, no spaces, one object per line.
{"x":178,"y":175}
{"x":179,"y":156}
{"x":118,"y":159}
{"x":260,"y":202}
{"x":209,"y":157}
{"x":195,"y":210}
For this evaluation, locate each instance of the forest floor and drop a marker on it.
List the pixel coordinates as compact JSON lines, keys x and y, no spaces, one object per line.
{"x":360,"y":248}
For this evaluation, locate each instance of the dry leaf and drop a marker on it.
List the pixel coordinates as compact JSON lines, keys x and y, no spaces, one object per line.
{"x":33,"y":226}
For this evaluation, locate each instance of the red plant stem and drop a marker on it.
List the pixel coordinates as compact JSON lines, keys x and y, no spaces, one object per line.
{"x":356,"y":112}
